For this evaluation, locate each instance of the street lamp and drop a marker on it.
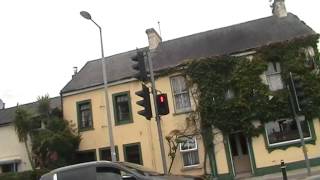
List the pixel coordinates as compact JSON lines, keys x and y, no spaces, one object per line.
{"x":86,"y":15}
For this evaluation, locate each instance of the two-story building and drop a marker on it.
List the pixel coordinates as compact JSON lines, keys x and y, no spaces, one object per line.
{"x":13,"y":154}
{"x":136,"y":139}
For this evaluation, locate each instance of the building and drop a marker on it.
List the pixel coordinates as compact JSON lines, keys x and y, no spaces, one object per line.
{"x":136,"y":138}
{"x":13,"y":154}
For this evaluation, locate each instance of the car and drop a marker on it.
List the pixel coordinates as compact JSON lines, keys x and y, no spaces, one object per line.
{"x":106,"y":170}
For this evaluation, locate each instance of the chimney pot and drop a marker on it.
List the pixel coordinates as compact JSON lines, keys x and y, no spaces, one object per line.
{"x":2,"y":104}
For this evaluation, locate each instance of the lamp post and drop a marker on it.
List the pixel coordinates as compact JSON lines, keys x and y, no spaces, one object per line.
{"x":86,"y":15}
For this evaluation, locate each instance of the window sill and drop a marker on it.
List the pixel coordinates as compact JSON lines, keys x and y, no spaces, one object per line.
{"x":287,"y":145}
{"x":192,"y":167}
{"x":86,"y":129}
{"x":123,"y":123}
{"x":183,"y":112}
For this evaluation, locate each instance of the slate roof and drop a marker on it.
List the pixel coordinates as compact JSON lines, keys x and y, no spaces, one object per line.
{"x":7,"y":115}
{"x":223,"y":41}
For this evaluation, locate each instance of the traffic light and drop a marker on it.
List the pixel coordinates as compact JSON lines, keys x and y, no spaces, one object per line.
{"x":139,"y":66}
{"x":297,"y":90}
{"x":145,"y":102}
{"x":162,"y":104}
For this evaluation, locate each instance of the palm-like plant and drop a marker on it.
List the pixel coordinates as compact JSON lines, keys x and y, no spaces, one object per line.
{"x":23,"y":127}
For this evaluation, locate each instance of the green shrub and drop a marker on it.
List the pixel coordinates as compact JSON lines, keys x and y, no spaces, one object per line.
{"x":26,"y":175}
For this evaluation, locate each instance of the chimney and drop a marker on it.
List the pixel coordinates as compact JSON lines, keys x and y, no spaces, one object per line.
{"x":2,"y":104}
{"x":75,"y":71}
{"x":279,"y":8}
{"x":153,"y":38}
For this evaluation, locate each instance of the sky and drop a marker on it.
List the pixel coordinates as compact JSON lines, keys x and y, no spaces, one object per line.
{"x":42,"y":40}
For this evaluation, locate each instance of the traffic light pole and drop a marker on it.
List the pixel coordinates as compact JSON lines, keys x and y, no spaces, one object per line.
{"x":294,"y":113}
{"x":154,"y":92}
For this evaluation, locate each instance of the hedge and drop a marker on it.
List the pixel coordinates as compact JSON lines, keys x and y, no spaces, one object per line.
{"x":26,"y":175}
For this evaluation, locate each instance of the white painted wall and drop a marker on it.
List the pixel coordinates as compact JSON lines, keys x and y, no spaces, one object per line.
{"x":10,"y":147}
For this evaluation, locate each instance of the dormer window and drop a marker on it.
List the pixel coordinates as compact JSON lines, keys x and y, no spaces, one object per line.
{"x":273,"y":75}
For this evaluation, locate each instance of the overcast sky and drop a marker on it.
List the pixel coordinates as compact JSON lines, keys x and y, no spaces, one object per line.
{"x":41,"y":40}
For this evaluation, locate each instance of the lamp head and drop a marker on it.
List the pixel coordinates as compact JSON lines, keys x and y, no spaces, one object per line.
{"x":85,"y":14}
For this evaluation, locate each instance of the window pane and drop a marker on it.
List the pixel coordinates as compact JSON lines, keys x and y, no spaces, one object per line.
{"x":190,"y":158}
{"x":273,"y":75}
{"x":132,"y":153}
{"x":7,"y":168}
{"x":182,"y":101}
{"x":105,"y":154}
{"x":188,"y":143}
{"x":122,"y":108}
{"x":85,"y":156}
{"x":180,"y":93}
{"x":85,"y":115}
{"x":275,"y":82}
{"x":285,"y":130}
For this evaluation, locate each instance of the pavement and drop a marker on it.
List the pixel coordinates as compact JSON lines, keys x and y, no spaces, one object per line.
{"x":297,"y":174}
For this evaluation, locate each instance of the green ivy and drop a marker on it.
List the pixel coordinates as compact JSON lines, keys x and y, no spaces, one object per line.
{"x":252,"y":100}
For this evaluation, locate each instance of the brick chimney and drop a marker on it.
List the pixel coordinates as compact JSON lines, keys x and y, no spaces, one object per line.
{"x":154,"y":38}
{"x":279,"y":8}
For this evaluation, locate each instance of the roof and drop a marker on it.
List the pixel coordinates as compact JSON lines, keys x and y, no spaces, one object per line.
{"x":223,"y":41}
{"x":7,"y":115}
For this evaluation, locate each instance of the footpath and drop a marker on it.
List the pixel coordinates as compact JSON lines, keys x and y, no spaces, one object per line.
{"x":298,"y":174}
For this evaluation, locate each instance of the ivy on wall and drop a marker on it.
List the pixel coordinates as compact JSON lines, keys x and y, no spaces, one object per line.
{"x":232,"y":94}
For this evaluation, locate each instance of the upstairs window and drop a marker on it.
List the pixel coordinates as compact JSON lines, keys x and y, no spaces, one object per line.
{"x":189,"y":151}
{"x":181,"y":96}
{"x":122,"y":108}
{"x":273,"y":75}
{"x":84,"y":115}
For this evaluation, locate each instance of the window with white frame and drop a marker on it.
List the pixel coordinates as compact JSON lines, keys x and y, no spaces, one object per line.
{"x":180,"y":93}
{"x":273,"y":75}
{"x":285,"y":131}
{"x":189,"y":151}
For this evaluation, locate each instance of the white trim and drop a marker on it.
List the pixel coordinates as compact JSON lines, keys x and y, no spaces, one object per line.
{"x":231,"y":157}
{"x":246,"y":53}
{"x":98,"y":87}
{"x":10,"y":160}
{"x":249,"y":153}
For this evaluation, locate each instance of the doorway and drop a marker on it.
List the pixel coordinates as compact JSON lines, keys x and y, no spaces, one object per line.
{"x":240,"y":154}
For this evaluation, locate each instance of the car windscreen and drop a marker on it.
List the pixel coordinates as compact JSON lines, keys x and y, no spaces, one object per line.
{"x":140,"y":169}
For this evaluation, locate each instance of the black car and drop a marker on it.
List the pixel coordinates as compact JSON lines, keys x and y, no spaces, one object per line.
{"x":105,"y":170}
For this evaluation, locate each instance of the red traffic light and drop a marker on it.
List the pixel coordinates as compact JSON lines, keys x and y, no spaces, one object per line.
{"x":162,"y":104}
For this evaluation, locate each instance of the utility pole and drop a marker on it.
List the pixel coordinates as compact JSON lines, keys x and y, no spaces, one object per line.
{"x":298,"y":120}
{"x":158,"y":118}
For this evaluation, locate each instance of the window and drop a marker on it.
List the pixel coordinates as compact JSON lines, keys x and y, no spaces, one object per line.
{"x":273,"y":75}
{"x":189,"y":151}
{"x":5,"y":168}
{"x":122,"y":108}
{"x":84,"y":115}
{"x":132,"y":153}
{"x":105,"y":153}
{"x":285,"y":130}
{"x":180,"y":94}
{"x":86,"y":156}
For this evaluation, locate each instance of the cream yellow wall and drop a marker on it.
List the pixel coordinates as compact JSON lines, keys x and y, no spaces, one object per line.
{"x":11,"y":148}
{"x":141,"y":130}
{"x":292,"y":154}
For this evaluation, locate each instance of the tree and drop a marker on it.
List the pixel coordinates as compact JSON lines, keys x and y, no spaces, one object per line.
{"x":53,"y":144}
{"x":22,"y":126}
{"x":56,"y":144}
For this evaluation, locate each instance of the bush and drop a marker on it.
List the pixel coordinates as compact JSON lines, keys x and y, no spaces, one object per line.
{"x":26,"y":175}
